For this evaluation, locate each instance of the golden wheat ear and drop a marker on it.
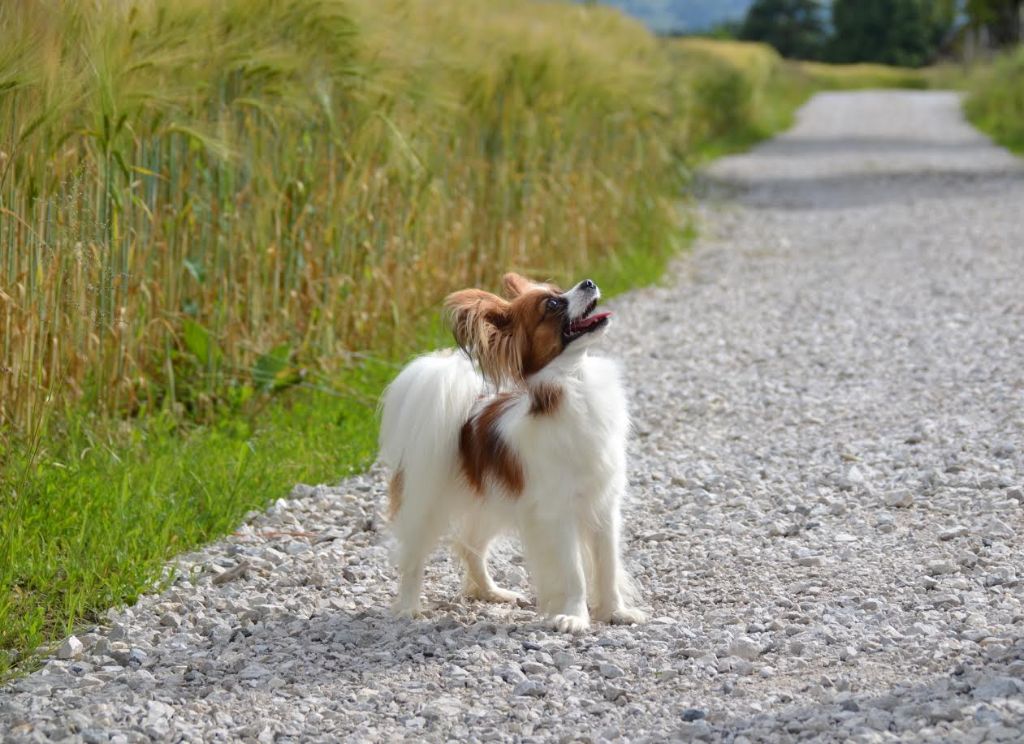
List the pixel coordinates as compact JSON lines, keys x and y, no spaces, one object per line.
{"x":482,"y":325}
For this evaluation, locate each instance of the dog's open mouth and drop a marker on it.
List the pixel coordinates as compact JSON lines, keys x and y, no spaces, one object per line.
{"x":585,"y":324}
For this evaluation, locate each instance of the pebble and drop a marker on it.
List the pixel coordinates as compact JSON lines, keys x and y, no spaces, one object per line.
{"x":71,"y":648}
{"x":997,"y":687}
{"x":940,"y":567}
{"x":563,"y":659}
{"x":610,"y":671}
{"x":170,"y":620}
{"x":614,"y":693}
{"x":231,"y":574}
{"x":900,"y":499}
{"x":1004,"y":450}
{"x":946,"y":601}
{"x":745,"y":648}
{"x":253,"y":671}
{"x":530,"y":688}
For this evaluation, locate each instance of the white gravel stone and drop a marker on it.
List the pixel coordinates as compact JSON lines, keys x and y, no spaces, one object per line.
{"x":563,"y":659}
{"x":745,"y":648}
{"x":530,"y":688}
{"x":71,"y":648}
{"x":610,"y":671}
{"x":901,"y":498}
{"x":170,"y":620}
{"x":940,"y":567}
{"x":833,"y":374}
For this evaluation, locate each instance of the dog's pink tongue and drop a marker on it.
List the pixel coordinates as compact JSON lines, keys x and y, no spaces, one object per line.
{"x":584,"y":323}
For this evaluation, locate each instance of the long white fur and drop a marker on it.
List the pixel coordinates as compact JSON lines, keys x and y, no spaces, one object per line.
{"x":568,"y":515}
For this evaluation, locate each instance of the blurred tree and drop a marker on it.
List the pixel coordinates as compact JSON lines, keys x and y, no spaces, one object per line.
{"x":1002,"y":19}
{"x":726,"y":30}
{"x":895,"y":32}
{"x":794,"y":27}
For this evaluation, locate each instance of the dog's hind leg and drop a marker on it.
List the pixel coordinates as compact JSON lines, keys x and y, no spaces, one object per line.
{"x":471,"y":545}
{"x":418,"y":525}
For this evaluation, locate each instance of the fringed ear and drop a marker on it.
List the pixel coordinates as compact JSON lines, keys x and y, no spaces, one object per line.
{"x":482,"y":325}
{"x":515,"y":284}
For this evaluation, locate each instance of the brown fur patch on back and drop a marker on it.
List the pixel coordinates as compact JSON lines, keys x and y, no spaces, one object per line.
{"x":483,"y":453}
{"x":396,"y":492}
{"x":545,"y":399}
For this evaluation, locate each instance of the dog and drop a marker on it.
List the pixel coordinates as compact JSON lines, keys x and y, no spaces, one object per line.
{"x":520,"y":429}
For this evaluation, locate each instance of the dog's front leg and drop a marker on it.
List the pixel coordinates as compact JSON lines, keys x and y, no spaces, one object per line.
{"x":610,"y":578}
{"x":552,"y":551}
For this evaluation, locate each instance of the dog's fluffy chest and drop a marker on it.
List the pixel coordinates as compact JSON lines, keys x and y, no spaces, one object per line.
{"x":583,"y":434}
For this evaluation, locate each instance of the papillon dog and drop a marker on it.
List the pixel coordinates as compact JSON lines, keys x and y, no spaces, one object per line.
{"x":520,"y":429}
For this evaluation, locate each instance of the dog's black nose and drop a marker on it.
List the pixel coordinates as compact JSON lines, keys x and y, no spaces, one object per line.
{"x":588,"y":284}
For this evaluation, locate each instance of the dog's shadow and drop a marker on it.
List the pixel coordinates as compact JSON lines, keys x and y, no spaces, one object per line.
{"x":347,"y":646}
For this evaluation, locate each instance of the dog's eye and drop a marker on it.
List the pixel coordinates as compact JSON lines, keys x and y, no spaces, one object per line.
{"x":553,"y":303}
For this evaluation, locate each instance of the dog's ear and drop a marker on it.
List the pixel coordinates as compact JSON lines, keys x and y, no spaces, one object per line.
{"x":482,"y":325}
{"x":515,"y":284}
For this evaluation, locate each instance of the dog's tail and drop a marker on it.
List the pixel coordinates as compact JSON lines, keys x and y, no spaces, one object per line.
{"x":422,"y":412}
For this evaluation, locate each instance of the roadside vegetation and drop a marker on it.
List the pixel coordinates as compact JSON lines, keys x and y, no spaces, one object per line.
{"x":223,"y":225}
{"x":995,"y":99}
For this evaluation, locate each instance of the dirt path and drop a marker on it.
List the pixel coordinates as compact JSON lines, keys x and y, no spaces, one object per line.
{"x":826,"y":514}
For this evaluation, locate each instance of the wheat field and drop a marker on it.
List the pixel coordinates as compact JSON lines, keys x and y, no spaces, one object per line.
{"x":195,"y":194}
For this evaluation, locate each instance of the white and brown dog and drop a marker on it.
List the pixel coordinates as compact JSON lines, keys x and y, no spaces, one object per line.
{"x":523,"y":431}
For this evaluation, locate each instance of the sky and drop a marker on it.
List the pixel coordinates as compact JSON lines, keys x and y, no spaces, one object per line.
{"x":683,"y":15}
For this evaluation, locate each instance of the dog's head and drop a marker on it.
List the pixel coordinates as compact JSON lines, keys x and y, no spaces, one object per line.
{"x":516,"y":336}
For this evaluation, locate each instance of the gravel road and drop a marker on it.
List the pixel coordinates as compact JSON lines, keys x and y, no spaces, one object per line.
{"x":826,"y":514}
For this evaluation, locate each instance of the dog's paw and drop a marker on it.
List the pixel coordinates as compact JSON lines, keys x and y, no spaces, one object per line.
{"x":494,"y":594}
{"x":570,"y":623}
{"x":622,"y":616}
{"x":406,"y":612}
{"x":628,"y":616}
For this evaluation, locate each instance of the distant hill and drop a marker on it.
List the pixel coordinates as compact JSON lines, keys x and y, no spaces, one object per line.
{"x":688,"y":16}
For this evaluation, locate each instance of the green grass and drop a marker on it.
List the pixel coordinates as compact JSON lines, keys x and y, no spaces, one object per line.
{"x":784,"y":93}
{"x":995,"y":100}
{"x":89,"y":520}
{"x":863,"y":75}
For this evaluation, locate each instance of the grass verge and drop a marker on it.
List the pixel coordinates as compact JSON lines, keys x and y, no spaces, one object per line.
{"x":88,"y":523}
{"x":995,"y":100}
